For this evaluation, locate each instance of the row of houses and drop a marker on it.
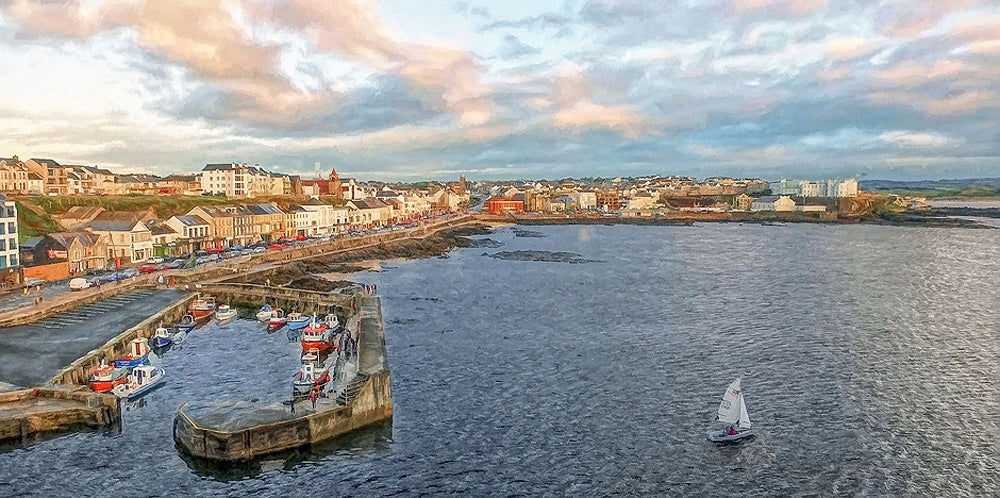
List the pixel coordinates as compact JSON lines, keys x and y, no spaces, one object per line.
{"x":232,"y":180}
{"x":643,"y":195}
{"x":96,"y":238}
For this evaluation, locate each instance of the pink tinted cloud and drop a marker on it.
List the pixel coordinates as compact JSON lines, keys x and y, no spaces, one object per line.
{"x":910,"y":18}
{"x":203,"y":36}
{"x":354,"y":29}
{"x":850,"y":47}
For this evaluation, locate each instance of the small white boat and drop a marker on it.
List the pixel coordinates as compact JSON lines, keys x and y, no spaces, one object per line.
{"x":225,"y":314}
{"x":265,"y":313}
{"x":732,"y":411}
{"x":142,"y":379}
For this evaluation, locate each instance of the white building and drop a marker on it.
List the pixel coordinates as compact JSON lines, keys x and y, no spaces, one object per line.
{"x":8,"y":233}
{"x":237,"y":180}
{"x":328,"y":219}
{"x":773,"y":203}
{"x":369,"y":213}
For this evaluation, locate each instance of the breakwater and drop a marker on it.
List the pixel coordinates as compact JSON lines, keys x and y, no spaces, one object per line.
{"x":28,"y":414}
{"x":223,"y":435}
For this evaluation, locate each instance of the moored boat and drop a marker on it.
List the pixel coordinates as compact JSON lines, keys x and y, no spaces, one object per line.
{"x":187,"y":323}
{"x":264,"y":314}
{"x":225,"y":313}
{"x":137,"y":355}
{"x":317,"y":335}
{"x":297,"y":321}
{"x":202,"y":307}
{"x":105,"y":377}
{"x":732,"y":411}
{"x":161,"y":338}
{"x":277,"y":319}
{"x":310,"y":376}
{"x":140,"y":381}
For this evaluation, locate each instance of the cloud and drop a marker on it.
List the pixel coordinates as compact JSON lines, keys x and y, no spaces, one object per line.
{"x":850,"y":47}
{"x":354,"y":29}
{"x":786,"y":7}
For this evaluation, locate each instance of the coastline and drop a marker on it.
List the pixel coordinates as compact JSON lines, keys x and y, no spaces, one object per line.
{"x":933,"y":218}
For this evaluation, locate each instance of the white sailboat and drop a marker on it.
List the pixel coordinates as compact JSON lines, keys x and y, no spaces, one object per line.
{"x":732,"y":411}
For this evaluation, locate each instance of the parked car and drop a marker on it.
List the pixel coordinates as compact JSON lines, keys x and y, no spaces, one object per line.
{"x":155,"y":260}
{"x":144,"y":269}
{"x":129,"y":272}
{"x":32,"y":281}
{"x":78,"y":284}
{"x":258,"y":250}
{"x":177,"y":263}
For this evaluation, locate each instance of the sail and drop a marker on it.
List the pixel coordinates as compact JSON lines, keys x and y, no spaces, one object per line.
{"x":729,"y":409}
{"x":744,"y":414}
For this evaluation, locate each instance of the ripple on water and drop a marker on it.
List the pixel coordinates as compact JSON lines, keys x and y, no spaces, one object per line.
{"x":869,"y":358}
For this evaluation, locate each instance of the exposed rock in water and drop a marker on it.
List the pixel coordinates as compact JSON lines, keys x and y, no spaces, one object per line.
{"x":520,"y":232}
{"x":487,"y":243}
{"x":547,"y":256}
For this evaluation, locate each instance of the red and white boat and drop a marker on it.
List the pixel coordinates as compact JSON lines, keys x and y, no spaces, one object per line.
{"x":317,"y":335}
{"x":105,"y":377}
{"x":277,"y":319}
{"x":311,"y":376}
{"x":202,"y":307}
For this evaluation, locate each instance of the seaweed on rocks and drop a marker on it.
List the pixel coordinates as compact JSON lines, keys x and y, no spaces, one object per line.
{"x":546,"y":256}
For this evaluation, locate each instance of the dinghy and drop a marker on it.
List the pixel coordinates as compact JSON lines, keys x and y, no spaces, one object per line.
{"x":733,"y":412}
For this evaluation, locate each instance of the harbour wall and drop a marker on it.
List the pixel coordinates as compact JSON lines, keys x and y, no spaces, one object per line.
{"x":31,"y":314}
{"x":78,"y":373}
{"x":251,"y":297}
{"x":30,"y":412}
{"x":367,"y":401}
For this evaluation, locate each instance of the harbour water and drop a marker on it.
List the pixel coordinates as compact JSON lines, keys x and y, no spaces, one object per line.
{"x":869,"y":357}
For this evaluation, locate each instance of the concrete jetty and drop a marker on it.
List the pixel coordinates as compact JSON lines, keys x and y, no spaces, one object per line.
{"x":240,"y":433}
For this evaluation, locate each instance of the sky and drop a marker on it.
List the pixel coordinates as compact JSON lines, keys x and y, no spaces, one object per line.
{"x":396,"y":90}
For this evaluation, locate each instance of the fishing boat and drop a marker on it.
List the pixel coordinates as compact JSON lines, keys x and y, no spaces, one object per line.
{"x":202,"y":307}
{"x":137,"y":355}
{"x":733,"y":412}
{"x":297,"y":321}
{"x":277,"y":319}
{"x":105,"y":377}
{"x":317,"y":335}
{"x":187,"y":323}
{"x":310,"y":376}
{"x":264,"y":314}
{"x":225,"y":314}
{"x":161,"y":338}
{"x":140,"y":381}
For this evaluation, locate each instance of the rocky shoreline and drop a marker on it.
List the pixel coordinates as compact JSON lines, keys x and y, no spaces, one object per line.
{"x":302,"y":273}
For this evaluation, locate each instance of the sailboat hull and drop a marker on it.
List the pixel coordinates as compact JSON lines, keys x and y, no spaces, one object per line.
{"x":724,"y":437}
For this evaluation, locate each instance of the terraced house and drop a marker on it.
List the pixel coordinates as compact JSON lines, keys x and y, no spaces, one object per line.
{"x":13,"y":176}
{"x":129,"y":238}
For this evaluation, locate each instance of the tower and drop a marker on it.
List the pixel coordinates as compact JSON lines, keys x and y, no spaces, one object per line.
{"x":334,"y":186}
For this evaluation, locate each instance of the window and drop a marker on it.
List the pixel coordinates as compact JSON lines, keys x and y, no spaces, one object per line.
{"x":13,"y":244}
{"x":13,"y":260}
{"x":3,"y":261}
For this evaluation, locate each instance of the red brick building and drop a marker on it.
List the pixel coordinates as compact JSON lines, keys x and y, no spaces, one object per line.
{"x":497,"y":205}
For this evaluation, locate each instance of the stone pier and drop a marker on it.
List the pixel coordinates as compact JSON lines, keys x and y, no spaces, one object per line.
{"x":367,"y":400}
